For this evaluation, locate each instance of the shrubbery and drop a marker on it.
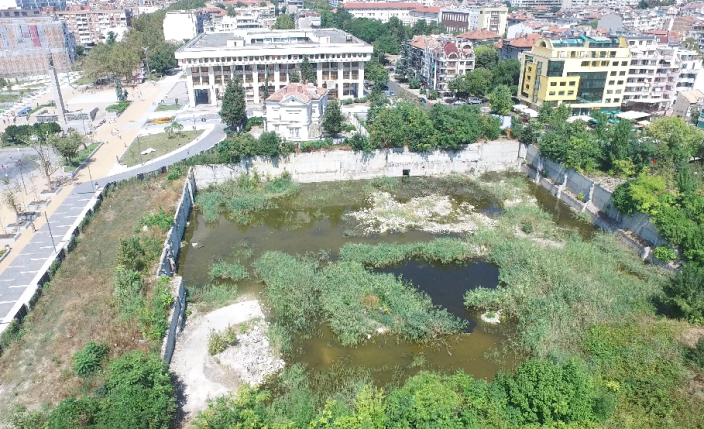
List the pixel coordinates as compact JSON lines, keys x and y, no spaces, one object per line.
{"x":220,"y":341}
{"x":269,"y":144}
{"x":89,"y":359}
{"x":17,"y":134}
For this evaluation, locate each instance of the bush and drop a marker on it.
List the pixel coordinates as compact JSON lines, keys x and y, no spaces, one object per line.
{"x":696,"y":355}
{"x":175,"y":173}
{"x":220,"y":341}
{"x":347,"y":102}
{"x":128,"y":290}
{"x":665,"y":254}
{"x":639,"y":194}
{"x":360,"y":142}
{"x":350,"y":128}
{"x":88,"y":360}
{"x":685,"y":291}
{"x":160,"y":219}
{"x":154,"y":318}
{"x":224,"y":270}
{"x":119,"y":107}
{"x":131,"y":255}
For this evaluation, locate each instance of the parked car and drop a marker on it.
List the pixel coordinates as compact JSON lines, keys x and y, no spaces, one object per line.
{"x":474,"y":100}
{"x":423,"y":100}
{"x":459,"y":103}
{"x":391,"y":69}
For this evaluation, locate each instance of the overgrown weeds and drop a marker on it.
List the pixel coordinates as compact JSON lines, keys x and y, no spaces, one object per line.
{"x":354,"y":302}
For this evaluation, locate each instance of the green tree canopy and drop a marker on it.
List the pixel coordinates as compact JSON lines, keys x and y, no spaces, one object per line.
{"x":234,"y":110}
{"x":333,"y":120}
{"x":284,"y":22}
{"x":486,"y":57}
{"x":500,"y":100}
{"x":307,"y":72}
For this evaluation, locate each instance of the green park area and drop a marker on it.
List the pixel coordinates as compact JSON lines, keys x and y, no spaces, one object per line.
{"x":162,"y":144}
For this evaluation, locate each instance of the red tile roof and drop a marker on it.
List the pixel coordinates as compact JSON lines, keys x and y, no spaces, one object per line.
{"x":526,"y":41}
{"x":301,"y":91}
{"x":418,"y":42}
{"x":394,"y":5}
{"x":479,"y":35}
{"x":426,"y":9}
{"x":557,"y":30}
{"x":450,"y":48}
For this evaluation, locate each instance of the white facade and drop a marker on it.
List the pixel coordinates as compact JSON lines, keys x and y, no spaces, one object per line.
{"x":529,"y":4}
{"x":227,"y":24}
{"x":295,"y":111}
{"x":181,"y":25}
{"x":260,"y":58}
{"x":383,"y":11}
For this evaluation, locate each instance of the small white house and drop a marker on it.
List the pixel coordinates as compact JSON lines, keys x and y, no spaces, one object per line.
{"x":296,"y":110}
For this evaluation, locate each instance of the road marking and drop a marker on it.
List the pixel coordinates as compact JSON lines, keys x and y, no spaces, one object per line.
{"x":8,"y":302}
{"x":47,"y":247}
{"x":7,"y":280}
{"x":18,"y":286}
{"x":37,"y":259}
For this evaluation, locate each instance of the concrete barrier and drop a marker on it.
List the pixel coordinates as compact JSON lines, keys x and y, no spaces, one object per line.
{"x":340,"y":165}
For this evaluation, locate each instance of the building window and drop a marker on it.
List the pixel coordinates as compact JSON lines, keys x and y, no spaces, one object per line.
{"x":585,"y":63}
{"x":604,"y":63}
{"x":613,"y":73}
{"x":570,"y":92}
{"x":553,"y":83}
{"x":555,"y":68}
{"x":620,"y":82}
{"x":572,"y":83}
{"x":551,"y":93}
{"x":609,"y":91}
{"x":563,"y":83}
{"x":611,"y":82}
{"x":622,"y":73}
{"x":561,"y":93}
{"x":608,"y":100}
{"x":624,"y":63}
{"x":527,"y":86}
{"x":616,"y":100}
{"x":618,"y":91}
{"x":612,"y":54}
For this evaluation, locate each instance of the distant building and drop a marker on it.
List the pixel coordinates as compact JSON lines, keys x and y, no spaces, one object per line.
{"x":610,"y":22}
{"x":183,"y":24}
{"x":493,"y":19}
{"x":27,"y":44}
{"x":587,"y":73}
{"x":479,"y":37}
{"x":382,"y":11}
{"x":306,"y":19}
{"x":38,"y":4}
{"x":460,"y":19}
{"x":89,"y":26}
{"x":296,"y":110}
{"x":227,"y":24}
{"x":511,"y":48}
{"x":687,"y":102}
{"x":438,"y":60}
{"x":259,"y":57}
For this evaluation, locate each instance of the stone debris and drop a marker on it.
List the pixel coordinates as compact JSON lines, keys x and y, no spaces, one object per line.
{"x":252,"y":357}
{"x":436,"y":214}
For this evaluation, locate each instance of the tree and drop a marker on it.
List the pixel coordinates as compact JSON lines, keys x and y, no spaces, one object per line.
{"x":68,"y":145}
{"x":162,"y":57}
{"x":376,"y":73}
{"x":284,"y":22}
{"x":173,"y":128}
{"x":78,"y":50}
{"x":308,"y":75}
{"x":111,"y":39}
{"x":38,"y":141}
{"x":486,"y":57}
{"x":500,"y":100}
{"x":678,"y":141}
{"x":294,"y":77}
{"x":234,"y":110}
{"x":685,"y":291}
{"x":691,"y":44}
{"x":231,"y":12}
{"x":11,"y":196}
{"x":506,"y":72}
{"x":695,"y":116}
{"x":333,"y":120}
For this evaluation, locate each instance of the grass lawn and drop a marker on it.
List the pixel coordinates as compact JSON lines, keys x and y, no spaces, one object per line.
{"x":167,"y":107}
{"x":119,"y":107}
{"x":40,"y":107}
{"x":79,"y":304}
{"x":160,"y":142}
{"x":83,"y":80}
{"x":80,"y":157}
{"x":9,"y":98}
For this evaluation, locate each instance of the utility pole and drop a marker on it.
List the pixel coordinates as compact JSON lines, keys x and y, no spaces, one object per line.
{"x":52,"y":235}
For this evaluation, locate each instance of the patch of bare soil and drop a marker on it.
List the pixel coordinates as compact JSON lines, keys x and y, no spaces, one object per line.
{"x":691,"y":336}
{"x":249,"y":360}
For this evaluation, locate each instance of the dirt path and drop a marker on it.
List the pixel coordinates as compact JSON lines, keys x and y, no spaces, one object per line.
{"x":206,"y":377}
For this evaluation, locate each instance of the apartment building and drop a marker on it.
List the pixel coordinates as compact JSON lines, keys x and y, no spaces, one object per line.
{"x":493,"y":19}
{"x":38,"y":4}
{"x":382,"y":11}
{"x":183,"y":25}
{"x":260,"y":57}
{"x":89,"y":26}
{"x":227,"y":24}
{"x":429,"y":14}
{"x":460,"y":19}
{"x":512,"y":48}
{"x":588,"y":73}
{"x":531,"y":4}
{"x":658,"y":73}
{"x":440,"y":59}
{"x":28,"y":44}
{"x":265,"y":9}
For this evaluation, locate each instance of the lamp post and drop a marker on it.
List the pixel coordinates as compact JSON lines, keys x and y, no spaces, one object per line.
{"x":52,"y":235}
{"x":146,"y":59}
{"x":89,"y":174}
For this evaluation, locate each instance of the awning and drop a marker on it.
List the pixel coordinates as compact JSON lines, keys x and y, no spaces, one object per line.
{"x":530,"y":112}
{"x":583,"y":118}
{"x":633,"y":115}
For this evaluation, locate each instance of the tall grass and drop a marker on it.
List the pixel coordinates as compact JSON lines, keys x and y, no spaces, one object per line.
{"x":242,"y":198}
{"x":228,"y":270}
{"x":444,"y":250}
{"x":556,"y":294}
{"x":354,"y":302}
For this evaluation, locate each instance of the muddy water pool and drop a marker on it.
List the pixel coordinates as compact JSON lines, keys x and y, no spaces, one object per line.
{"x":316,"y":221}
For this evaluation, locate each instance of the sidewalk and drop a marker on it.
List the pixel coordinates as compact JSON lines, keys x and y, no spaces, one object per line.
{"x":19,"y":280}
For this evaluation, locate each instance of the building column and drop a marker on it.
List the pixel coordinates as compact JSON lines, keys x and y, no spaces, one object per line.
{"x":340,"y":74}
{"x":319,"y":74}
{"x":277,"y":77}
{"x":360,"y":85}
{"x":189,"y":86}
{"x":211,"y":82}
{"x":255,"y":83}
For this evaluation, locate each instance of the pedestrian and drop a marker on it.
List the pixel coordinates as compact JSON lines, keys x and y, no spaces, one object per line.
{"x":119,"y":135}
{"x":33,"y":227}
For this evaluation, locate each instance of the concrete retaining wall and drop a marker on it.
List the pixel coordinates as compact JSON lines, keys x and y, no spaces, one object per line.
{"x":596,"y":200}
{"x":167,"y":266}
{"x":347,"y":165}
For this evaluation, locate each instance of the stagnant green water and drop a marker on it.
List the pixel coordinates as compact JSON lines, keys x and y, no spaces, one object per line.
{"x":315,"y":221}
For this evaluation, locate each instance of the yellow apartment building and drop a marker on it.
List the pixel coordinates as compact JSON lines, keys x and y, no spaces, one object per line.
{"x":588,"y":73}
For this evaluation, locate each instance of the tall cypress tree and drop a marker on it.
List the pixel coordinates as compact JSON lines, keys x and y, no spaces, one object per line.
{"x":234,"y":110}
{"x":307,"y":73}
{"x":333,"y":120}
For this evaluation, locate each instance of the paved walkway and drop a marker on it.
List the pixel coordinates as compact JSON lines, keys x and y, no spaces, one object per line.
{"x":18,"y":281}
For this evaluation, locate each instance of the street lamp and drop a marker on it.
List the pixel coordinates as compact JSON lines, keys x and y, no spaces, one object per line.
{"x":19,"y":164}
{"x":146,"y":59}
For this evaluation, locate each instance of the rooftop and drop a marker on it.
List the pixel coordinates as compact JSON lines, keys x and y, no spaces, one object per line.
{"x":263,"y":38}
{"x":526,"y":41}
{"x":303,"y":92}
{"x":394,"y":5}
{"x":478,"y":35}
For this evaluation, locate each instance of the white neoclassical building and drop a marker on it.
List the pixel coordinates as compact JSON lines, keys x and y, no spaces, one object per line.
{"x":262,"y":57}
{"x":296,"y":110}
